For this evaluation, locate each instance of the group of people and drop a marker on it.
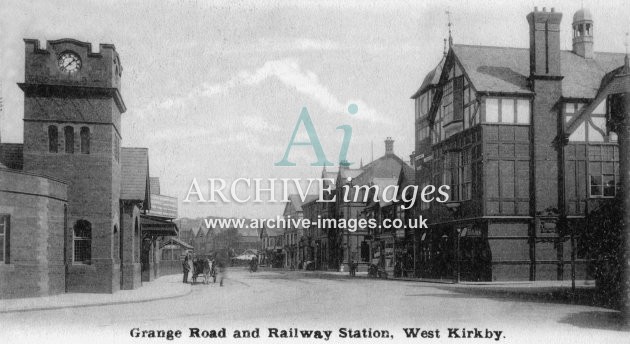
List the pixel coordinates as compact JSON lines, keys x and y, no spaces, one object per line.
{"x":206,"y":267}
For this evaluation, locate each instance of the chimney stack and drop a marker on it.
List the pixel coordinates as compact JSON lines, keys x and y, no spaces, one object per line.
{"x":389,"y":146}
{"x":544,"y":43}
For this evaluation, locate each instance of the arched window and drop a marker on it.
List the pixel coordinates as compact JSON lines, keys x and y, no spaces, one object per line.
{"x":53,"y":136}
{"x":85,"y":140}
{"x":82,"y":242}
{"x":69,"y":136}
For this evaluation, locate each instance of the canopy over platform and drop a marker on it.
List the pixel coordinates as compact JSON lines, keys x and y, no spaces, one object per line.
{"x":155,"y":227}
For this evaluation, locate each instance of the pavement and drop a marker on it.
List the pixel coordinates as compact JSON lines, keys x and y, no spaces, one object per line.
{"x":161,"y":288}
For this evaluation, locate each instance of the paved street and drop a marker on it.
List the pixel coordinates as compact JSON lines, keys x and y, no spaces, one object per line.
{"x":287,"y":300}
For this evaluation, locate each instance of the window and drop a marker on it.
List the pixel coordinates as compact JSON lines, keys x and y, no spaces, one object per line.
{"x":603,"y":177}
{"x":492,"y":110}
{"x":450,"y":174}
{"x":4,"y":239}
{"x":53,"y":139}
{"x":603,"y":185}
{"x":465,"y":175}
{"x":82,"y":242}
{"x":69,"y":136}
{"x":85,"y":140}
{"x":522,"y":111}
{"x":509,"y":111}
{"x":447,"y":102}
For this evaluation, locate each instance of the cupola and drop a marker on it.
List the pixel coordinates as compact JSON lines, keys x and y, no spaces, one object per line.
{"x":583,"y":33}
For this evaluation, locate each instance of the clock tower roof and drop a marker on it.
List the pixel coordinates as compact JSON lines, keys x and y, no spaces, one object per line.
{"x":72,"y":65}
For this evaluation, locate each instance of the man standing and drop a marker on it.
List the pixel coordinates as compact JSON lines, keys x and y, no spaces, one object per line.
{"x":186,"y":268}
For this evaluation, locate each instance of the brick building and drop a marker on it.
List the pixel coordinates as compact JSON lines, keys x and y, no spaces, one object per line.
{"x":500,"y":126}
{"x":97,"y":190}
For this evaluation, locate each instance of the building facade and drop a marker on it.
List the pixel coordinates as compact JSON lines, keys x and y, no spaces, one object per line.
{"x":72,"y":137}
{"x":499,"y":125}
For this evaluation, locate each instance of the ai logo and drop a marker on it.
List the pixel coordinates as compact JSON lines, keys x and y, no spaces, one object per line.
{"x":305,"y":120}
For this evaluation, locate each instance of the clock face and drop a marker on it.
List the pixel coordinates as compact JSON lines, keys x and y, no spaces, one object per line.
{"x":69,"y":62}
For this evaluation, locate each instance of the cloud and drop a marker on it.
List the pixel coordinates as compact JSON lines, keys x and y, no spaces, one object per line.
{"x":290,"y":73}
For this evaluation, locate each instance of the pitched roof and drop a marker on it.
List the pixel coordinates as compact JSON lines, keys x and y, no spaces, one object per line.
{"x":505,"y":69}
{"x":350,"y":172}
{"x":387,"y":166}
{"x":383,"y":183}
{"x":431,"y":79}
{"x":175,"y":241}
{"x":135,"y":174}
{"x":248,"y":232}
{"x":11,"y":155}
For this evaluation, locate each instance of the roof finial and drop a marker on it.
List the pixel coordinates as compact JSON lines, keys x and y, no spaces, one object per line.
{"x":450,"y":25}
{"x":361,"y":163}
{"x":445,"y":50}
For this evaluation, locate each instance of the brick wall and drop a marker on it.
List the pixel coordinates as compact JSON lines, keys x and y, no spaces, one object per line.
{"x":36,"y":208}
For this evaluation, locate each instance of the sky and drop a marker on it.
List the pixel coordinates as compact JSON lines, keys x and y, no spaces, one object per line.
{"x":214,"y":89}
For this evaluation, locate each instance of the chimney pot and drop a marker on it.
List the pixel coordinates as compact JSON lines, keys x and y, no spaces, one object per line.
{"x":553,"y":9}
{"x":535,"y":8}
{"x":389,"y":146}
{"x":544,"y":9}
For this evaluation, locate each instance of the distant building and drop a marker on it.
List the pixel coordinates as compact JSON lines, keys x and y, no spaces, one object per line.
{"x":295,"y":252}
{"x":271,"y":247}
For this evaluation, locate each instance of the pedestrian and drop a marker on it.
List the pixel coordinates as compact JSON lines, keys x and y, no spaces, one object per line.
{"x":222,"y":268}
{"x":186,"y":267}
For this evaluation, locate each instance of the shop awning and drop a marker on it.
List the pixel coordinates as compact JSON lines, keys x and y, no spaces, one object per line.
{"x":154,"y":226}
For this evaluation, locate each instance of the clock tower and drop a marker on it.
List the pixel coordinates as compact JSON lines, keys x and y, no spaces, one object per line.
{"x":72,"y":115}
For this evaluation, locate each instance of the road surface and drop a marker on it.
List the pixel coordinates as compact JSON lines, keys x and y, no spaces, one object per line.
{"x":282,"y":304}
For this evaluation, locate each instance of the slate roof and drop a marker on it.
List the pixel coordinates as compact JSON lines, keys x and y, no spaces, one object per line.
{"x":431,"y":79}
{"x":387,"y":166}
{"x":11,"y":155}
{"x":504,"y":69}
{"x":383,"y":183}
{"x":350,"y":172}
{"x":135,"y":174}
